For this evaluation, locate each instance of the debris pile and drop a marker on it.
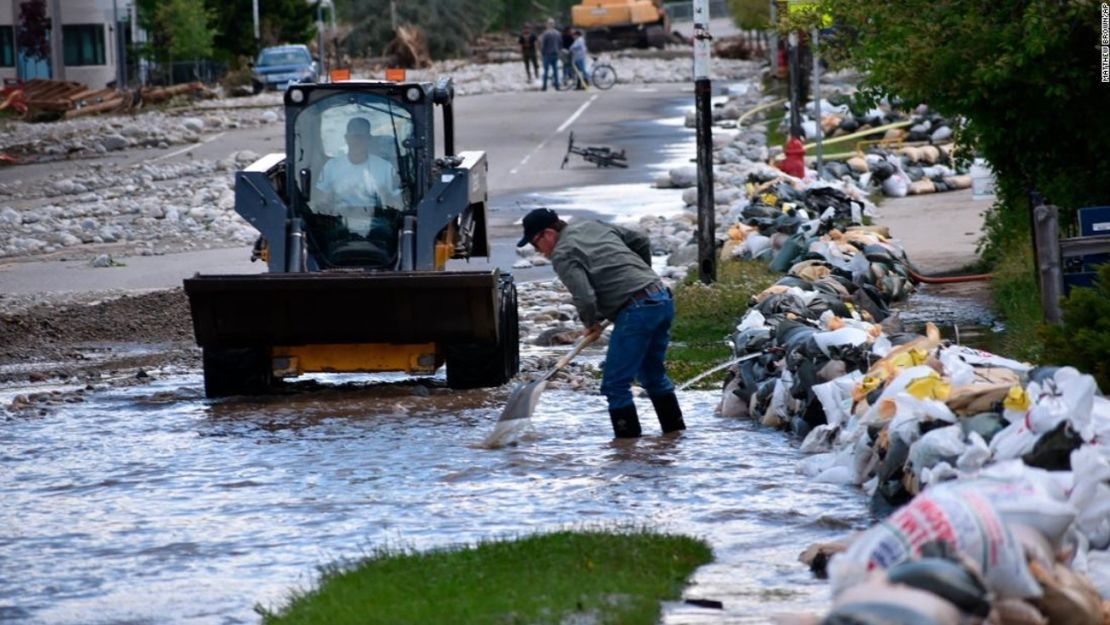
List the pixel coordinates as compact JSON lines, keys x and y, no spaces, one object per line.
{"x":42,"y":99}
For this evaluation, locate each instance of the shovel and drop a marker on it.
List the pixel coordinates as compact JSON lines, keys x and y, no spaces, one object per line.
{"x":522,"y":402}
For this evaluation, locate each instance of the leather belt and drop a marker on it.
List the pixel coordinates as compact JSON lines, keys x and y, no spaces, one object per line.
{"x":649,"y":290}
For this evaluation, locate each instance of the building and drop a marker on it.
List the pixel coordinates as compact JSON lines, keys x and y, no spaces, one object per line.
{"x":81,"y":40}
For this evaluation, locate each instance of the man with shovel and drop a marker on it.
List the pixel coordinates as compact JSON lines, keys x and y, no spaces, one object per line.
{"x":607,"y":270}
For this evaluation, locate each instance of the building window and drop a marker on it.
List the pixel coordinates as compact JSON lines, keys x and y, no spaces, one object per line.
{"x":84,"y":44}
{"x":7,"y":47}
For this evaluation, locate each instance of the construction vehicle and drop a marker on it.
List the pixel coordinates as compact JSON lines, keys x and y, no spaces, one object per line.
{"x":356,"y":277}
{"x":613,"y":24}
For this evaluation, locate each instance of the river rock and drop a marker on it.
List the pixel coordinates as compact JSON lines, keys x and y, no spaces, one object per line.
{"x":114,"y":142}
{"x":193,"y":124}
{"x":683,"y":177}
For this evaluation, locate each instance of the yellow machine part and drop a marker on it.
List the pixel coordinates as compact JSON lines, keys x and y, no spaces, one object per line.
{"x":294,"y":360}
{"x":602,"y":13}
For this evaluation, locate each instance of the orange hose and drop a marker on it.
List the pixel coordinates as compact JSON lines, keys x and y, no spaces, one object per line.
{"x":949,"y":279}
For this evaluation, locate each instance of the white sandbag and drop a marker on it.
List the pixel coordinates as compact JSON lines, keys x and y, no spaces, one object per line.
{"x":967,"y":522}
{"x":836,"y":475}
{"x":1025,"y":495}
{"x":936,"y":445}
{"x":981,"y":358}
{"x":1098,"y":571}
{"x":838,"y":338}
{"x":819,"y":440}
{"x":1090,"y":494}
{"x":1013,"y":441}
{"x":836,"y":398}
{"x":1067,"y":395}
{"x":752,"y":319}
{"x":975,"y":455}
{"x":756,"y":245}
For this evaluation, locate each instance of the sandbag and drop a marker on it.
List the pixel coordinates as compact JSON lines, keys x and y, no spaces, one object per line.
{"x":966,"y":522}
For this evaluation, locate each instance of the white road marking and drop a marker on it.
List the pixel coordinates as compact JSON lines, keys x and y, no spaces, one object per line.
{"x":561,"y":128}
{"x":189,"y":147}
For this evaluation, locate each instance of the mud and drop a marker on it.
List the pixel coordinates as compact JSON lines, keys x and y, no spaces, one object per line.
{"x":92,"y":339}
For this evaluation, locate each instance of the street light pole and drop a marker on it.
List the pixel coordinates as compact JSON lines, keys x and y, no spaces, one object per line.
{"x":707,"y":235}
{"x":257,"y":35}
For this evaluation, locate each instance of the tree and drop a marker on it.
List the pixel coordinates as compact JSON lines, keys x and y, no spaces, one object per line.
{"x":282,"y":21}
{"x":1024,"y":74}
{"x":185,"y":25}
{"x":33,"y":26}
{"x":454,"y":24}
{"x":750,"y":14}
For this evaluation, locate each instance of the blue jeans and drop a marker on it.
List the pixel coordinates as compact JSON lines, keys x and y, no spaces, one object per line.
{"x":551,"y":61}
{"x":637,"y":349}
{"x":581,"y":65}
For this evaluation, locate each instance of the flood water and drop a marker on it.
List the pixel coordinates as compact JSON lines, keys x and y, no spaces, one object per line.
{"x":154,"y":505}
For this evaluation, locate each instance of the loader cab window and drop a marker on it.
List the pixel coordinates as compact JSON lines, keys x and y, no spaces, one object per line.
{"x":353,"y":157}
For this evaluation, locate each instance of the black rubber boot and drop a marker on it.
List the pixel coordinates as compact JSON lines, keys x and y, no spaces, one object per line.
{"x":669,"y":413}
{"x":625,"y":422}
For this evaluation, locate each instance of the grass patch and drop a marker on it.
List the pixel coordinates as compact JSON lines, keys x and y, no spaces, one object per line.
{"x":1016,"y":296}
{"x":599,"y":576}
{"x":705,"y":316}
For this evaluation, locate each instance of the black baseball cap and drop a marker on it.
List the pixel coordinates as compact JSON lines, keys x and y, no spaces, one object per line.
{"x":535,"y":222}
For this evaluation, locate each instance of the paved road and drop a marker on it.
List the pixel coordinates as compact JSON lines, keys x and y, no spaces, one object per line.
{"x":524,"y":135}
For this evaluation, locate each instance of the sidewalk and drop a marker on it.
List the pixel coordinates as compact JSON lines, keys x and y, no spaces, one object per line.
{"x":939,"y":231}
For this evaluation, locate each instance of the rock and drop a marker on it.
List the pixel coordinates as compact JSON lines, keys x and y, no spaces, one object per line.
{"x":683,"y":256}
{"x":269,"y":117}
{"x":9,"y":216}
{"x":114,"y":142}
{"x":943,"y":133}
{"x":690,"y":196}
{"x":246,"y":156}
{"x":104,"y":260}
{"x":193,"y":124}
{"x":684,"y":177}
{"x":523,"y":263}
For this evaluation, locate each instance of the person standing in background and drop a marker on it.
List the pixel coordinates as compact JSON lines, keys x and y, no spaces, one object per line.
{"x":527,"y":41}
{"x":550,"y":44}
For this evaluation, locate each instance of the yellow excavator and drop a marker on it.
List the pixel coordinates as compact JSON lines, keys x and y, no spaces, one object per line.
{"x":613,"y":24}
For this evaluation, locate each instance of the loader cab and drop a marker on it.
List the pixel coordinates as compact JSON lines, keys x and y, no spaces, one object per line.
{"x":358,"y":166}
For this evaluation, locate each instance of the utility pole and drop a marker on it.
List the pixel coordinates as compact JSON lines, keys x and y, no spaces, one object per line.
{"x":817,"y":97}
{"x":707,"y":228}
{"x":121,"y":49}
{"x":795,"y":87}
{"x":57,"y":52}
{"x":257,"y":34}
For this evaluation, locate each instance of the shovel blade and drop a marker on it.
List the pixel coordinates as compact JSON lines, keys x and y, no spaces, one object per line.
{"x":522,"y":401}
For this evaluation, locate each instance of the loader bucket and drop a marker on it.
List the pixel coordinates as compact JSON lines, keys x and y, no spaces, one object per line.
{"x":328,"y":308}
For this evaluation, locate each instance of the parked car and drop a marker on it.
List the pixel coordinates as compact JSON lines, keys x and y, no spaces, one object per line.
{"x":278,"y":66}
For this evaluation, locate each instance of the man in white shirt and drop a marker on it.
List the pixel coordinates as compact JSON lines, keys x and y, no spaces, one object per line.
{"x":353,"y":185}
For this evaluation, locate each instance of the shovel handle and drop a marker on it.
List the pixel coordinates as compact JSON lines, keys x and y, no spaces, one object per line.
{"x":578,"y":346}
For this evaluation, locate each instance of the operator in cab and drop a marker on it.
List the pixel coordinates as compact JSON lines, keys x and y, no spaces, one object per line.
{"x":358,"y":180}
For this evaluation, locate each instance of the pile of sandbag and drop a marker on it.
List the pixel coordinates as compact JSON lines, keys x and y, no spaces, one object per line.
{"x":909,"y":170}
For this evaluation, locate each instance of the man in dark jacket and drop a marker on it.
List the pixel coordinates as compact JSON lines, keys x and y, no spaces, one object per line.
{"x":607,"y":270}
{"x":527,"y":41}
{"x":550,"y":44}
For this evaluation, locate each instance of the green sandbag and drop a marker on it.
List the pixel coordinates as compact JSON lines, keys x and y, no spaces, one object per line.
{"x":789,"y":253}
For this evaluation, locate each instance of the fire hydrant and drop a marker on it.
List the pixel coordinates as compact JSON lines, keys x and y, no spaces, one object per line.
{"x":795,"y":162}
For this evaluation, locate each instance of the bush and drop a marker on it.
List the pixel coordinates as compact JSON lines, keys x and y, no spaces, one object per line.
{"x":1083,"y":340}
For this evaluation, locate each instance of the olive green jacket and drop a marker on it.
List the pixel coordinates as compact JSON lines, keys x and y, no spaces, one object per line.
{"x":602,"y":265}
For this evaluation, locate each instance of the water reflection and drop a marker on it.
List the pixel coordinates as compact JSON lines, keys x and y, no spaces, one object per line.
{"x":154,"y":505}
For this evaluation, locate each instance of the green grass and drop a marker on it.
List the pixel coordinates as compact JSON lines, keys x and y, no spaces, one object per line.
{"x":600,"y":576}
{"x":1016,"y":297}
{"x":705,"y":316}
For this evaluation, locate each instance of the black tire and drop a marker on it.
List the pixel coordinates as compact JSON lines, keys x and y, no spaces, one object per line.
{"x":603,"y":76}
{"x":655,"y":37}
{"x":482,"y":365}
{"x":237,"y":371}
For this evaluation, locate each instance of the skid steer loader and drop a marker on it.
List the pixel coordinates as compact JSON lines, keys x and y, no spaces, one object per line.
{"x":358,"y":219}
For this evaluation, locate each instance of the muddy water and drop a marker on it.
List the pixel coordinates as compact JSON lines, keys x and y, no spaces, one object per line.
{"x":153,"y":505}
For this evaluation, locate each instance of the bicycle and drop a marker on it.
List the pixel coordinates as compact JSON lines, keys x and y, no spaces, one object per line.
{"x":601,"y":75}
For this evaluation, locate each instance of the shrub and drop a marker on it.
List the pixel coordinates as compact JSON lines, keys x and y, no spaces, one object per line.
{"x":1083,"y":340}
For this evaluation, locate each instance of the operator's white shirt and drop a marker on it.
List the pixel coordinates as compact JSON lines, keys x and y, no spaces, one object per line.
{"x":359,"y":185}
